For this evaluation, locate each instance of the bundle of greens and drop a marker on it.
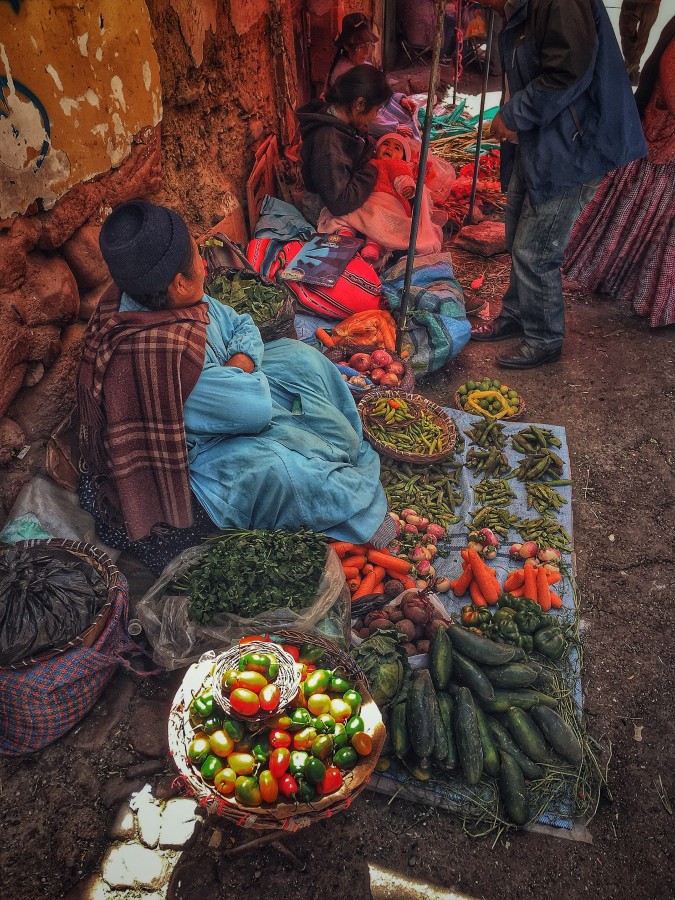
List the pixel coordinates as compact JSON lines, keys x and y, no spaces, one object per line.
{"x":246,"y":293}
{"x":251,"y":572}
{"x":384,"y":663}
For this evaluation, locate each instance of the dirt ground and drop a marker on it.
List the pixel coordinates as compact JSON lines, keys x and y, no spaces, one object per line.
{"x":613,"y":391}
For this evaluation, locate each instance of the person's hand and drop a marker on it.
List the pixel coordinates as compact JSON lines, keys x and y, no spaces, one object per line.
{"x":241,"y":361}
{"x":405,"y":132}
{"x":409,"y":104}
{"x":499,"y":130}
{"x":408,"y":191}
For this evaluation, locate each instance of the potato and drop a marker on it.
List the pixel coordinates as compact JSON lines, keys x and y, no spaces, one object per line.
{"x":395,"y":615}
{"x":373,"y":616}
{"x":393,"y":587}
{"x":378,"y":623}
{"x":410,"y":649}
{"x":407,"y":627}
{"x":363,"y":632}
{"x":423,"y":646}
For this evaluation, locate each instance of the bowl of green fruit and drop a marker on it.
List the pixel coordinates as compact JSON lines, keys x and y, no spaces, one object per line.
{"x":490,"y":398}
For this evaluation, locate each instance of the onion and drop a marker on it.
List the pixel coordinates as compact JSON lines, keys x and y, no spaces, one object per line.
{"x":381,"y":358}
{"x":396,"y":368}
{"x":390,"y":379}
{"x":376,"y":375}
{"x":360,"y":362}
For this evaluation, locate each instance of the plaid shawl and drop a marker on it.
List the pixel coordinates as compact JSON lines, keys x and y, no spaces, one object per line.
{"x":137,"y":370}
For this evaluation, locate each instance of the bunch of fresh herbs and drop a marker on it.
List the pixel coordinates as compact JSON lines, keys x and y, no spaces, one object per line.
{"x":251,"y":572}
{"x":247,"y":294}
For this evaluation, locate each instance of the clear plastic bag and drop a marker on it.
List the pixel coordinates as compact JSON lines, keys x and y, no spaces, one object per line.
{"x":177,"y":641}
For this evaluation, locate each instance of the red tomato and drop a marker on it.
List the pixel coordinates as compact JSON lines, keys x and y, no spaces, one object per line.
{"x":244,"y":702}
{"x":254,"y":637}
{"x":269,"y":786}
{"x":278,"y":738}
{"x":292,"y":651}
{"x":288,"y":786}
{"x":279,"y":761}
{"x":331,"y":782}
{"x":309,"y":668}
{"x":269,"y":697}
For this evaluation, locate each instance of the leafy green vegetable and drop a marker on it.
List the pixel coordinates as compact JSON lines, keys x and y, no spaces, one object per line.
{"x":384,"y":663}
{"x":246,"y":294}
{"x":251,"y":572}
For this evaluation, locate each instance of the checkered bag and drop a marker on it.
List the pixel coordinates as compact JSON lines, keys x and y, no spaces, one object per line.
{"x":39,"y":704}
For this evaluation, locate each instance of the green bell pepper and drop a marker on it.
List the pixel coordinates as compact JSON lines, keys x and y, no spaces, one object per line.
{"x":527,"y":622}
{"x":525,"y":642}
{"x":298,"y":762}
{"x":509,"y":630}
{"x":261,"y":749}
{"x":202,"y":706}
{"x":550,"y":641}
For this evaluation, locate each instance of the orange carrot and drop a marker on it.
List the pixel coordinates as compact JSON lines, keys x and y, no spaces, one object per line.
{"x":515,"y":579}
{"x":407,"y":582}
{"x":390,"y":563}
{"x":461,"y":584}
{"x":353,"y":584}
{"x":543,"y":592}
{"x":350,"y":572}
{"x":378,"y":589}
{"x":355,"y":562}
{"x":517,"y":592}
{"x":476,"y":596}
{"x":465,"y":554}
{"x":486,"y":581}
{"x":325,"y":338}
{"x":342,"y":548}
{"x":530,"y":581}
{"x":368,"y":582}
{"x":556,"y":601}
{"x":553,"y":577}
{"x":383,"y":550}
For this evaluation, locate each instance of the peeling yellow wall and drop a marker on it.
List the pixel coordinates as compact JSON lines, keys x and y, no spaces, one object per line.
{"x":77,"y":81}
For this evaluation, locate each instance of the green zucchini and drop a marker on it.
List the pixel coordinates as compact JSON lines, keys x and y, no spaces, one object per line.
{"x":503,"y":700}
{"x":559,"y":734}
{"x":511,"y":675}
{"x":421,"y":716}
{"x":416,"y":770}
{"x":440,"y":659}
{"x":467,"y":736}
{"x":512,"y":789}
{"x":490,"y":754}
{"x":472,"y":676}
{"x":440,"y":738}
{"x":544,"y":682}
{"x":526,"y":734}
{"x":505,"y":742}
{"x":545,"y":700}
{"x":446,"y":708}
{"x":480,"y":649}
{"x":399,"y":730}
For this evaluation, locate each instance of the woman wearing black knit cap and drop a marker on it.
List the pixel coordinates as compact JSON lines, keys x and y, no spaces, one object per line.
{"x":189,"y":423}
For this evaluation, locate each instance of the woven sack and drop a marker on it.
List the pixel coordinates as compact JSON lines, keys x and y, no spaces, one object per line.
{"x":38,"y":705}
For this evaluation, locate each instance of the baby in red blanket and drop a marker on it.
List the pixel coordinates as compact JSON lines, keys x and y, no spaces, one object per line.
{"x":385,"y":217}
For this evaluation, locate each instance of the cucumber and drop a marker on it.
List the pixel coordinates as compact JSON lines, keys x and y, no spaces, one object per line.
{"x":467,"y":736}
{"x":440,"y":738}
{"x":559,"y":734}
{"x":440,"y":659}
{"x":513,"y":789}
{"x":503,"y":700}
{"x":526,"y":734}
{"x":511,"y":675}
{"x":399,"y":730}
{"x":472,"y":676}
{"x":480,"y":649}
{"x":446,"y":708}
{"x":490,"y":754}
{"x":413,"y":766}
{"x":421,"y":716}
{"x":387,"y":747}
{"x":545,"y":700}
{"x":544,"y":682}
{"x":505,"y":742}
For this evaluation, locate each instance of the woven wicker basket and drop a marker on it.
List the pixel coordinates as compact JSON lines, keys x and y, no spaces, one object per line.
{"x":108,"y":571}
{"x":429,"y":408}
{"x":288,"y":679}
{"x":341,"y":354}
{"x":285,"y":815}
{"x":518,"y":415}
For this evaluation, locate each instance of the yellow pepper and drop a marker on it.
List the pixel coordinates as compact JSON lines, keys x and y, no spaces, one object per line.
{"x":474,"y":396}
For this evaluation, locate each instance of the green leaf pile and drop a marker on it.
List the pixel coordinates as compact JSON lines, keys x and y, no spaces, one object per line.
{"x":251,"y":572}
{"x":247,"y":295}
{"x":384,"y":663}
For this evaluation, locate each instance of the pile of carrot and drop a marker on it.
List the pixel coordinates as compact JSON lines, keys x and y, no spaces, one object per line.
{"x":480,"y":580}
{"x":367,"y":569}
{"x":534,"y":582}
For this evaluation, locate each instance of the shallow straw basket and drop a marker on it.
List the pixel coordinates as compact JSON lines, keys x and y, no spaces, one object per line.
{"x":518,"y":415}
{"x":342,"y":354}
{"x":429,"y":408}
{"x":287,"y":680}
{"x":108,"y":571}
{"x":286,"y":816}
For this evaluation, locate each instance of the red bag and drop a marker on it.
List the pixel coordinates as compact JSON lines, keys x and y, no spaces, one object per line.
{"x":356,"y":290}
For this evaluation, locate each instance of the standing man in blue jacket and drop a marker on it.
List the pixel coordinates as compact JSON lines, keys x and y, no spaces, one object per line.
{"x":567,"y":118}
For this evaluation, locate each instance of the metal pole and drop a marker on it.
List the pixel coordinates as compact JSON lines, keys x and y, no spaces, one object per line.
{"x":455,"y":77}
{"x":417,"y":206}
{"x":486,"y":73}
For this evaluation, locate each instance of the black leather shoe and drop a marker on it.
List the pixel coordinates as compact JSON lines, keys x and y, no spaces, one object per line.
{"x":501,"y":330}
{"x":527,"y":358}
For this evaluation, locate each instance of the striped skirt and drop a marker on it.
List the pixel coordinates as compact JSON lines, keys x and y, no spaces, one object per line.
{"x":623,"y":244}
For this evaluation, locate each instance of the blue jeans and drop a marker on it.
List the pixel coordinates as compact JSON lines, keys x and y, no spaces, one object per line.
{"x":536,"y":238}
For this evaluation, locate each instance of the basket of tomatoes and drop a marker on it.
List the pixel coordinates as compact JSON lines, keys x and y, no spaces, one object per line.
{"x":303,"y":761}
